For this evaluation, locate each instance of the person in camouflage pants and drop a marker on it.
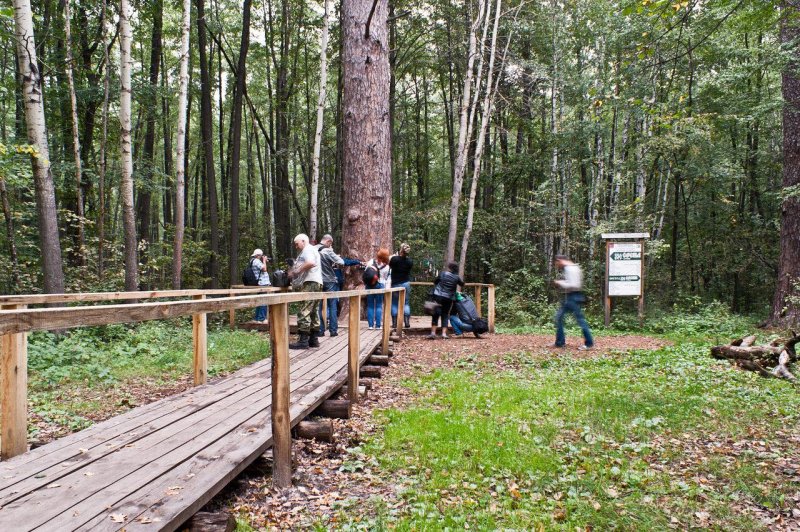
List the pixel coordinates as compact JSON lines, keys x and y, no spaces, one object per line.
{"x":306,"y":276}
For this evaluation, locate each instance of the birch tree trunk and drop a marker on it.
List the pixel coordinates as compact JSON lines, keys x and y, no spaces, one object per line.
{"x":37,"y":136}
{"x":367,"y":221}
{"x":76,"y":142}
{"x":463,"y":135}
{"x":323,"y":80}
{"x":126,"y":175}
{"x":180,"y":161}
{"x":488,"y":101}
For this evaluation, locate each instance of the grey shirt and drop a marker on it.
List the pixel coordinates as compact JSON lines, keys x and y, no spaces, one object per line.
{"x":314,"y":275}
{"x":328,"y":259}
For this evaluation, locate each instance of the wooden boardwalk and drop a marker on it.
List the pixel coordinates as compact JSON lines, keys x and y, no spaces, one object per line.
{"x":155,"y":466}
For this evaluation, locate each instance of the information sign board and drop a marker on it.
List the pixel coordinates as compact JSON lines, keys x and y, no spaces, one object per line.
{"x":624,"y":269}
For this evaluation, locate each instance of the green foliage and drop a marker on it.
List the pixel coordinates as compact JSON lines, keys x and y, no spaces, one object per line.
{"x":562,"y":443}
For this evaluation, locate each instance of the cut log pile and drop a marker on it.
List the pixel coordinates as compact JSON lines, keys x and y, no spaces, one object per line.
{"x":777,"y":355}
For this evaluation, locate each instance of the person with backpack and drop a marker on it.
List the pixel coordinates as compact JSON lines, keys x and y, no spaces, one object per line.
{"x":306,"y":275}
{"x":375,"y":277}
{"x":400,"y":265}
{"x":444,"y":293}
{"x":256,"y":275}
{"x":572,"y":286}
{"x":465,"y":317}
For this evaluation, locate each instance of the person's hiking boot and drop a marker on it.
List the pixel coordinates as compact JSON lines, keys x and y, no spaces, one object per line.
{"x":431,"y":337}
{"x":407,"y":322}
{"x":302,"y":342}
{"x":334,"y":333}
{"x":585,"y":348}
{"x":313,"y":340}
{"x":477,"y":335}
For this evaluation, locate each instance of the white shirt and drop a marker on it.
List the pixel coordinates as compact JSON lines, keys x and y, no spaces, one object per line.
{"x":573,"y":279}
{"x":314,"y":275}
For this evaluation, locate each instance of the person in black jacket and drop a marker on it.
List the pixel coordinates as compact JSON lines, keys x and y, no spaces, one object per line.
{"x":444,"y":292}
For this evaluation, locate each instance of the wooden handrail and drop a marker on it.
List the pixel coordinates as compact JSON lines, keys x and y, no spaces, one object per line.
{"x":16,"y":322}
{"x":490,"y":288}
{"x":90,"y":297}
{"x":429,"y":283}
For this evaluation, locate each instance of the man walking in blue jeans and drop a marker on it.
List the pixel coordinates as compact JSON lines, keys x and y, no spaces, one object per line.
{"x":572,"y":285}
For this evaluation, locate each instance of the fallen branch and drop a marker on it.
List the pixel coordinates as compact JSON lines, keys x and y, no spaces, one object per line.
{"x":778,"y":355}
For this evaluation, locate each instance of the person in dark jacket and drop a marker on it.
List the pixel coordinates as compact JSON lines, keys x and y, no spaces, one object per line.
{"x":401,"y":266}
{"x":444,"y":293}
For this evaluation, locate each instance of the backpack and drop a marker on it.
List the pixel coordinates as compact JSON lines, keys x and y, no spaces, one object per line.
{"x":249,"y":277}
{"x":480,"y":326}
{"x":465,"y":307}
{"x":280,"y":279}
{"x":370,"y":277}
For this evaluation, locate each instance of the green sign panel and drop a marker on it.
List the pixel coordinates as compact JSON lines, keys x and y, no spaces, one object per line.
{"x":626,"y":255}
{"x":623,"y":278}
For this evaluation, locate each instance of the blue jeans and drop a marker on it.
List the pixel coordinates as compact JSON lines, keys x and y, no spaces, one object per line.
{"x":333,"y":315}
{"x":459,"y":327}
{"x":375,"y":307}
{"x":572,"y":303}
{"x":261,"y":313}
{"x":396,"y":299}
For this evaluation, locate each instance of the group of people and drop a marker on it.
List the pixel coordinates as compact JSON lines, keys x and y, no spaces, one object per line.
{"x":317,"y":268}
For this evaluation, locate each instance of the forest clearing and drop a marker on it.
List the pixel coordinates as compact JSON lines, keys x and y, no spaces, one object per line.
{"x":306,"y":264}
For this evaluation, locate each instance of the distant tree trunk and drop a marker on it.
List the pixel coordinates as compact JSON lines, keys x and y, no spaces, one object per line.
{"x":76,"y":142}
{"x":207,"y":139}
{"x":367,"y":222}
{"x":464,"y":133}
{"x":180,"y":161}
{"x":12,"y":245}
{"x":786,"y":304}
{"x":488,"y":101}
{"x":126,"y":178}
{"x":37,"y":137}
{"x":144,"y":197}
{"x":323,"y":81}
{"x":101,"y":187}
{"x":236,"y":133}
{"x":281,"y":191}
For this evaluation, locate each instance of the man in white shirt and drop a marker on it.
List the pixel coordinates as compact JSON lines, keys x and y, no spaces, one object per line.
{"x":572,"y":286}
{"x":306,"y":275}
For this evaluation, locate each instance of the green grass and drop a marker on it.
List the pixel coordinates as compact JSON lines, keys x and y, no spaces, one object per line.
{"x":76,"y":375}
{"x":564,"y":443}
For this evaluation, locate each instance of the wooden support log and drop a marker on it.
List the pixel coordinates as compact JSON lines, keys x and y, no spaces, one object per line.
{"x":362,"y":392}
{"x":200,"y":345}
{"x":491,"y":308}
{"x":211,"y":522}
{"x":281,"y":421}
{"x":366,"y":383}
{"x":13,"y":392}
{"x":387,"y":322}
{"x":379,"y":360}
{"x":336,"y":408}
{"x":394,"y":338}
{"x":401,"y":306}
{"x":371,"y":372}
{"x":320,"y":430}
{"x":353,"y":347}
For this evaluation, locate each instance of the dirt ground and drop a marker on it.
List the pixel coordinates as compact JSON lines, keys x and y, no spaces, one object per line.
{"x":321,"y":488}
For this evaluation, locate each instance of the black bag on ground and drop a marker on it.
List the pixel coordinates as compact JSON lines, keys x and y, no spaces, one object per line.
{"x":466,"y":309}
{"x":249,"y":277}
{"x":480,"y":326}
{"x":370,"y":277}
{"x":280,"y":279}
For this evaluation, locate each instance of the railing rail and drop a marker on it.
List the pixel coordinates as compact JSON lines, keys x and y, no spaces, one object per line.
{"x":16,"y":322}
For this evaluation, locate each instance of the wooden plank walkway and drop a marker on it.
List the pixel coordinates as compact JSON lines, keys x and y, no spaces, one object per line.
{"x":154,"y":467}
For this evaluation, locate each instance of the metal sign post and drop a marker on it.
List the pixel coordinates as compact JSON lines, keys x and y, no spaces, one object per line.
{"x":624,"y":269}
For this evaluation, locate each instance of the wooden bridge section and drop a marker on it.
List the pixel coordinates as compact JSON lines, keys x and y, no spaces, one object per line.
{"x":155,"y":466}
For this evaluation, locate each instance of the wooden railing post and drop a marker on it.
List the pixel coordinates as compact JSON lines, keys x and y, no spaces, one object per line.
{"x":353,"y":348}
{"x":200,"y":345}
{"x":281,"y":423}
{"x":13,"y":392}
{"x":401,"y":312}
{"x":387,"y":322}
{"x":478,"y":290}
{"x":491,"y":308}
{"x":232,"y":315}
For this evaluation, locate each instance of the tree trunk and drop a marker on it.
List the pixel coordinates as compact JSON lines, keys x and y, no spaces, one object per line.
{"x":126,"y":177}
{"x":786,"y":303}
{"x":37,"y":136}
{"x":12,"y":246}
{"x":464,"y":132}
{"x":180,"y":161}
{"x":101,"y":192}
{"x":367,"y":221}
{"x":323,"y":80}
{"x":236,"y":145}
{"x":76,"y":142}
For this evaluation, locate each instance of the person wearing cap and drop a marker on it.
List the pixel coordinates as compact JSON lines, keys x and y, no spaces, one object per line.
{"x":258,"y":263}
{"x":306,"y":276}
{"x":400,"y":266}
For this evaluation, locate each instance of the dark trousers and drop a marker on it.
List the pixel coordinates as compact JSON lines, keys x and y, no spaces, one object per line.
{"x":572,"y":303}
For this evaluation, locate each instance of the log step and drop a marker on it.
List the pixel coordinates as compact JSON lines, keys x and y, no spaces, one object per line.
{"x":371,"y":372}
{"x":320,"y":430}
{"x":335,"y":408}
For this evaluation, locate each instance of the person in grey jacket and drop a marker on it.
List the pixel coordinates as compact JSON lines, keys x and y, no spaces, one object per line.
{"x":572,"y":286}
{"x":444,"y":293}
{"x":330,"y":283}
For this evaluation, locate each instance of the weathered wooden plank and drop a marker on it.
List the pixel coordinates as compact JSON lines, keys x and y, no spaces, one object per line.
{"x":281,"y":424}
{"x":401,"y":305}
{"x":94,"y":297}
{"x":13,"y":393}
{"x":354,"y":347}
{"x":199,"y":346}
{"x":387,"y":322}
{"x":491,"y":308}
